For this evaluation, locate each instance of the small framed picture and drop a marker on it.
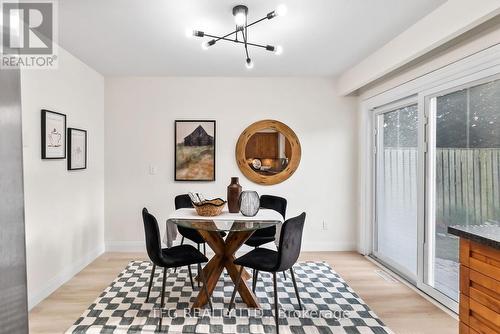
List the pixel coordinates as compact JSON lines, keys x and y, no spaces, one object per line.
{"x":53,"y":135}
{"x":77,"y":149}
{"x":195,"y":150}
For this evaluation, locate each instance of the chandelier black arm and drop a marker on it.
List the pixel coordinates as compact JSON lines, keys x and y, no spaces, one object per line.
{"x":236,"y":41}
{"x":255,"y":22}
{"x":267,"y":17}
{"x":245,"y":34}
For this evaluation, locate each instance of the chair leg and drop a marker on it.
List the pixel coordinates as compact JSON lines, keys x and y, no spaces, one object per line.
{"x":150,"y":282}
{"x":190,"y":277}
{"x":205,"y":249}
{"x":202,"y":276}
{"x":255,"y":278}
{"x":163,"y":288}
{"x":296,"y":289}
{"x":199,"y":266}
{"x":161,"y":320}
{"x":276,"y":314}
{"x":182,"y":242}
{"x":236,"y":286}
{"x":284,"y":275}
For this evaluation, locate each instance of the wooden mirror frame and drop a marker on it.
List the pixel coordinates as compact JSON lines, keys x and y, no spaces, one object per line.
{"x":293,"y":163}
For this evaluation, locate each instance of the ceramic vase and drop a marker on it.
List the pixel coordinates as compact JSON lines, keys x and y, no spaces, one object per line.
{"x":249,"y":203}
{"x":233,"y":195}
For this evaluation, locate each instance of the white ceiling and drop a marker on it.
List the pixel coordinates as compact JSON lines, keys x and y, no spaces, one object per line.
{"x":319,"y":37}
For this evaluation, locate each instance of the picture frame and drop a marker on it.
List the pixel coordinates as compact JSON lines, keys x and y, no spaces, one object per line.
{"x":53,"y":134}
{"x":77,"y":149}
{"x":194,"y":150}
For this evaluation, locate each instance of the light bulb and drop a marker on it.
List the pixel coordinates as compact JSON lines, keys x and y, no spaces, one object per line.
{"x":205,"y":45}
{"x":249,"y":64}
{"x":189,"y":33}
{"x":278,"y":50}
{"x":281,"y":10}
{"x":240,"y":19}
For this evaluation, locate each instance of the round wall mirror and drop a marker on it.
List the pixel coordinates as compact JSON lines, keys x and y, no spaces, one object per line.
{"x":268,"y":152}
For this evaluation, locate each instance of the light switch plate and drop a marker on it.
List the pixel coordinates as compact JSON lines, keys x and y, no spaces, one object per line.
{"x":153,"y":170}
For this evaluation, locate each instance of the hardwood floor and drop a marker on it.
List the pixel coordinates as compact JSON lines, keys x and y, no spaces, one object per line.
{"x":402,"y":309}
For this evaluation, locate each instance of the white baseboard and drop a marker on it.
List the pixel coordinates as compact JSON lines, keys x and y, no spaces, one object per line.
{"x":62,"y":277}
{"x":125,"y":246}
{"x":344,"y":246}
{"x":140,"y":246}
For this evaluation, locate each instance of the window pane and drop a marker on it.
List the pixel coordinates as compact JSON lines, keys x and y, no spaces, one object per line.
{"x":467,"y":169}
{"x":397,"y":189}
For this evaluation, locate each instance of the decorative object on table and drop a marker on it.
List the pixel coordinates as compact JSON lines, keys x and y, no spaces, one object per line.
{"x":210,"y":208}
{"x":196,"y":197}
{"x":53,"y":135}
{"x":77,"y":149}
{"x":233,"y":195}
{"x":249,"y":203}
{"x":240,"y":14}
{"x":195,"y":150}
{"x":268,"y":152}
{"x":256,"y":163}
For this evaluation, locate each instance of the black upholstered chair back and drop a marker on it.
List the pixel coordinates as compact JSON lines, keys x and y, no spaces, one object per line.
{"x":183,"y":202}
{"x":290,"y":242}
{"x":274,"y":203}
{"x":153,"y":239}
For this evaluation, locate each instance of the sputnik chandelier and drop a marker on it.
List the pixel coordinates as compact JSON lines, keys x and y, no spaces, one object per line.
{"x":240,"y":14}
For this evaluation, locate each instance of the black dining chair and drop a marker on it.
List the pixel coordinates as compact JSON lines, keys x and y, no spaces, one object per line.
{"x":271,"y":261}
{"x":268,"y":234}
{"x":184,"y":202}
{"x":173,"y":257}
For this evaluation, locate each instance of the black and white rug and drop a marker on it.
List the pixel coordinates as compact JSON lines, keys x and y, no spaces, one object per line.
{"x":330,"y":305}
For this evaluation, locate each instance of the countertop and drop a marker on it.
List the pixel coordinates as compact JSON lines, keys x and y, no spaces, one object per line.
{"x":487,"y":234}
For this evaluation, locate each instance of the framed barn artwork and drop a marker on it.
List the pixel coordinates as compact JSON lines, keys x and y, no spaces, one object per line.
{"x":194,"y":150}
{"x":53,"y":135}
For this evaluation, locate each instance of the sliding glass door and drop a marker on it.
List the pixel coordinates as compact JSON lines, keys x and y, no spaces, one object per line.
{"x":463,"y":172}
{"x":395,"y":237}
{"x":436,"y":163}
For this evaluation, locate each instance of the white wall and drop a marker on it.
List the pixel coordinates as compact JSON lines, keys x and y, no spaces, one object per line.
{"x":64,"y":209}
{"x":140,"y":114}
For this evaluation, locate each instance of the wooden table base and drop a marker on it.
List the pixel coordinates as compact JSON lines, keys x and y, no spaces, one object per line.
{"x":224,"y":257}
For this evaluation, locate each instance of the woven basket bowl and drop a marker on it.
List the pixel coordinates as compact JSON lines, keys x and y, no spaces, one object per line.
{"x":210,"y":208}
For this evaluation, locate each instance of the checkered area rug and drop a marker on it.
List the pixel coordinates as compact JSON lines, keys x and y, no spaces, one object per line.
{"x":330,"y":305}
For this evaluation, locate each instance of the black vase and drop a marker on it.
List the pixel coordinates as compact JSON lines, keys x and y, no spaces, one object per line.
{"x":233,"y":195}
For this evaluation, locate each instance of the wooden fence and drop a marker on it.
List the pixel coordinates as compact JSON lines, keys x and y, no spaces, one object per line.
{"x":467,"y":183}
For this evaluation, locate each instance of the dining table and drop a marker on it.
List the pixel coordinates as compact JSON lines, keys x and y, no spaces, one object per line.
{"x":238,"y":228}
